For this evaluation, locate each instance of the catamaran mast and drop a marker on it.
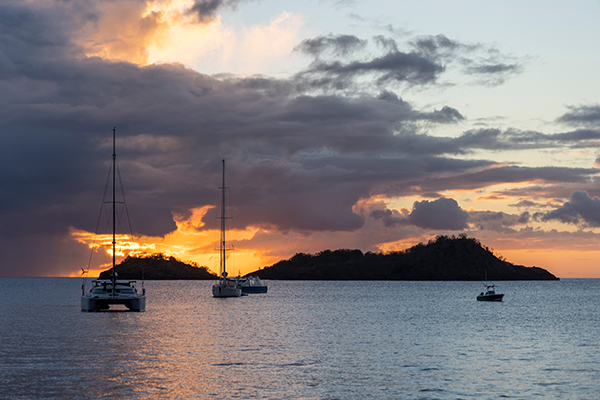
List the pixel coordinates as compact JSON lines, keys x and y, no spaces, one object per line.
{"x":114,"y":241}
{"x":223,"y":273}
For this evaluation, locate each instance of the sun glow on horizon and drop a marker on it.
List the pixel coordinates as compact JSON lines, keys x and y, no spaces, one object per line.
{"x":190,"y":242}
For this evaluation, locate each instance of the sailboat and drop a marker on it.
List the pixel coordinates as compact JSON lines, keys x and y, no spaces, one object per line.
{"x":107,"y":292}
{"x":226,"y":287}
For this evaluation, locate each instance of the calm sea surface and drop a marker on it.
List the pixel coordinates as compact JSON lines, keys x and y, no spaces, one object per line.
{"x":304,"y":340}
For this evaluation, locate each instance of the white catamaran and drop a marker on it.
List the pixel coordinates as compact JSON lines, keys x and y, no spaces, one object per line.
{"x":105,"y":292}
{"x":226,"y":287}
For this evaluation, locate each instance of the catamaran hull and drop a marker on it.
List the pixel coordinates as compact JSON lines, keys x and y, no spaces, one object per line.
{"x":102,"y":304}
{"x":226,"y":291}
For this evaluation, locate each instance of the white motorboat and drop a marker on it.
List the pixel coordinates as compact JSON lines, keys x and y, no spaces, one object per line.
{"x":226,"y":287}
{"x":490,"y":294}
{"x":252,"y":284}
{"x":107,"y":292}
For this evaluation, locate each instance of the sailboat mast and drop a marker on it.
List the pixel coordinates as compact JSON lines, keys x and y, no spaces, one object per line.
{"x":114,"y":241}
{"x":223,"y":224}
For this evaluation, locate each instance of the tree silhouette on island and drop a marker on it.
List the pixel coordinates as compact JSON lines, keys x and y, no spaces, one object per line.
{"x":441,"y":259}
{"x":158,"y":267}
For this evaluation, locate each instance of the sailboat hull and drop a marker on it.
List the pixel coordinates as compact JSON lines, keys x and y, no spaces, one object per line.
{"x":226,"y":291}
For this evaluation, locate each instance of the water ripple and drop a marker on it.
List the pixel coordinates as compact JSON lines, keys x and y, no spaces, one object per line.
{"x":303,"y":340}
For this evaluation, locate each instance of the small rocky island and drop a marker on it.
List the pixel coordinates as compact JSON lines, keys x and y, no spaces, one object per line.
{"x":443,"y":259}
{"x":158,"y":267}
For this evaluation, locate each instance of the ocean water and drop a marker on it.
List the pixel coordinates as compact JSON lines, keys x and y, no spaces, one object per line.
{"x":304,"y":340}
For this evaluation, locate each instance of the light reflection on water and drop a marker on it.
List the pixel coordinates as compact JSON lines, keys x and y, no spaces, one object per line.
{"x":310,"y":340}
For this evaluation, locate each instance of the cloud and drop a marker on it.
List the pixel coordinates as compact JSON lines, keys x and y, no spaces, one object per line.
{"x":488,"y":64}
{"x":582,"y":115}
{"x":440,"y":214}
{"x":438,"y":46}
{"x":206,"y":10}
{"x":301,"y":151}
{"x":41,"y":254}
{"x":497,"y":221}
{"x":580,"y":209}
{"x":426,"y":59}
{"x":180,"y":31}
{"x":444,"y":214}
{"x":338,"y":45}
{"x":514,"y":139}
{"x":392,"y":67}
{"x":390,"y":218}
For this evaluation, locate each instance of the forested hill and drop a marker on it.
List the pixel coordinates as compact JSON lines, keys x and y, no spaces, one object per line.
{"x":445,"y":258}
{"x":158,"y":267}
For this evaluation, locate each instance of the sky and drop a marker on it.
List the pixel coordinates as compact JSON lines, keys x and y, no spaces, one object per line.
{"x":371,"y":125}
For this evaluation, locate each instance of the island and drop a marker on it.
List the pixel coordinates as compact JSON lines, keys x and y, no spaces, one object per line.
{"x":158,"y":267}
{"x":441,"y":259}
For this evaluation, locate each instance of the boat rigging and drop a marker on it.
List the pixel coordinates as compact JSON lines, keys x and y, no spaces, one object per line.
{"x":107,"y":292}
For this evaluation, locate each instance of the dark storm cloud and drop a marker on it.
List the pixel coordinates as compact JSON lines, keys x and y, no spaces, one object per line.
{"x":298,"y":158}
{"x":62,"y":109}
{"x":580,"y":209}
{"x":355,"y":124}
{"x":27,"y":38}
{"x":320,"y":192}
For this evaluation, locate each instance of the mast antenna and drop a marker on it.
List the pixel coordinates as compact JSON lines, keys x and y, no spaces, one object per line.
{"x":114,"y":212}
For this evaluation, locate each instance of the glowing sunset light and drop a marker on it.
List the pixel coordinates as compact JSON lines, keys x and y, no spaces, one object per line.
{"x":189,"y":44}
{"x":565,"y":264}
{"x":189,"y":243}
{"x":125,"y":244}
{"x":171,"y":32}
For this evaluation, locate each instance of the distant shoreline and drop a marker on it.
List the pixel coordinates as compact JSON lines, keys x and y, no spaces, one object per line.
{"x":443,"y":259}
